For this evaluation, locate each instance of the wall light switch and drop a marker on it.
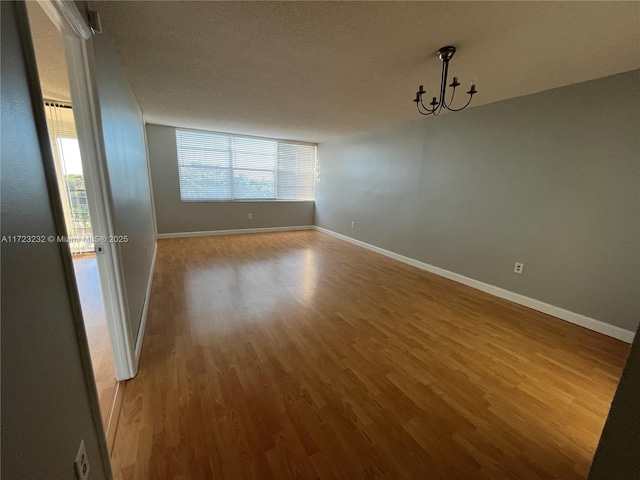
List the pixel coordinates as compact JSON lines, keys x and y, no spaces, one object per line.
{"x":250,"y":216}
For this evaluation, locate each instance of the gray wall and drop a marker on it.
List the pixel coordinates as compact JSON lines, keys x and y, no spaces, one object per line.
{"x":47,"y":405}
{"x":550,"y":180}
{"x":618,"y":453}
{"x":173,"y":215}
{"x":124,"y":147}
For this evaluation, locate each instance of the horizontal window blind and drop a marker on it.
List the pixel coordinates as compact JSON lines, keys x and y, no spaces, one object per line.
{"x":216,"y":166}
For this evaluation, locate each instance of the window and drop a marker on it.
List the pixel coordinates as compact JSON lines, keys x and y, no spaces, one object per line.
{"x":217,"y":166}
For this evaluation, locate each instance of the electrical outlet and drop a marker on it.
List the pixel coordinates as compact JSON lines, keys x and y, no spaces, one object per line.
{"x":353,"y":224}
{"x":250,"y":216}
{"x":518,"y":268}
{"x":82,"y":463}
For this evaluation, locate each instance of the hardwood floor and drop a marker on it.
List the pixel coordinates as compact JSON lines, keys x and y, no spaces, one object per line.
{"x":86,"y":270}
{"x":297,"y":355}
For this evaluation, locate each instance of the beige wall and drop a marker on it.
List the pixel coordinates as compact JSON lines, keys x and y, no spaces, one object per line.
{"x":174,"y":215}
{"x":550,"y":180}
{"x":47,"y":405}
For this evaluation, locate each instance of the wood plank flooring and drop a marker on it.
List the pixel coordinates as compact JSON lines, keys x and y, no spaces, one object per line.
{"x":95,"y":322}
{"x":296,"y":355}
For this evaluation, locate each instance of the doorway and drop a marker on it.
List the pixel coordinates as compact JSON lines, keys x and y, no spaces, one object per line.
{"x":76,"y":185}
{"x":68,"y":162}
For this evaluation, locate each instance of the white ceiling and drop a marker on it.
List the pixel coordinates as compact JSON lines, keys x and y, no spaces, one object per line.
{"x":319,"y":70}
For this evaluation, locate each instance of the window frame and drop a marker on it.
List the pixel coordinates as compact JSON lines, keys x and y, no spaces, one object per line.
{"x":231,"y":168}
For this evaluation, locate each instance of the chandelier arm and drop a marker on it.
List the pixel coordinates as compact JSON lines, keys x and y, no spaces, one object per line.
{"x":453,"y":93}
{"x":461,"y":108}
{"x":428,"y":112}
{"x":436,"y":108}
{"x":427,"y":108}
{"x":420,"y":111}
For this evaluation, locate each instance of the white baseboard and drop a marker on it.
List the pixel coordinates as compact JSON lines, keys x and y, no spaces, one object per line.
{"x":238,"y":231}
{"x":572,"y":317}
{"x":145,"y":309}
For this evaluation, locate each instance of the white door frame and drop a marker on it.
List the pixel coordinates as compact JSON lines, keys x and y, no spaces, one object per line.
{"x":77,"y":34}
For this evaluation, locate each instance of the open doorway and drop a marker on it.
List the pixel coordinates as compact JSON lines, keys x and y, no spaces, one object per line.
{"x":61,"y":122}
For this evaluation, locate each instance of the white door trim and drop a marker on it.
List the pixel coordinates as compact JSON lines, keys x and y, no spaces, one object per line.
{"x":99,"y":200}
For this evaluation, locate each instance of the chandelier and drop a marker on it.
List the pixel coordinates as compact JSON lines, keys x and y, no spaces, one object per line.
{"x":445,"y":54}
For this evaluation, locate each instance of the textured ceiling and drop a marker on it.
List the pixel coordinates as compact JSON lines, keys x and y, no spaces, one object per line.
{"x":318,"y":70}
